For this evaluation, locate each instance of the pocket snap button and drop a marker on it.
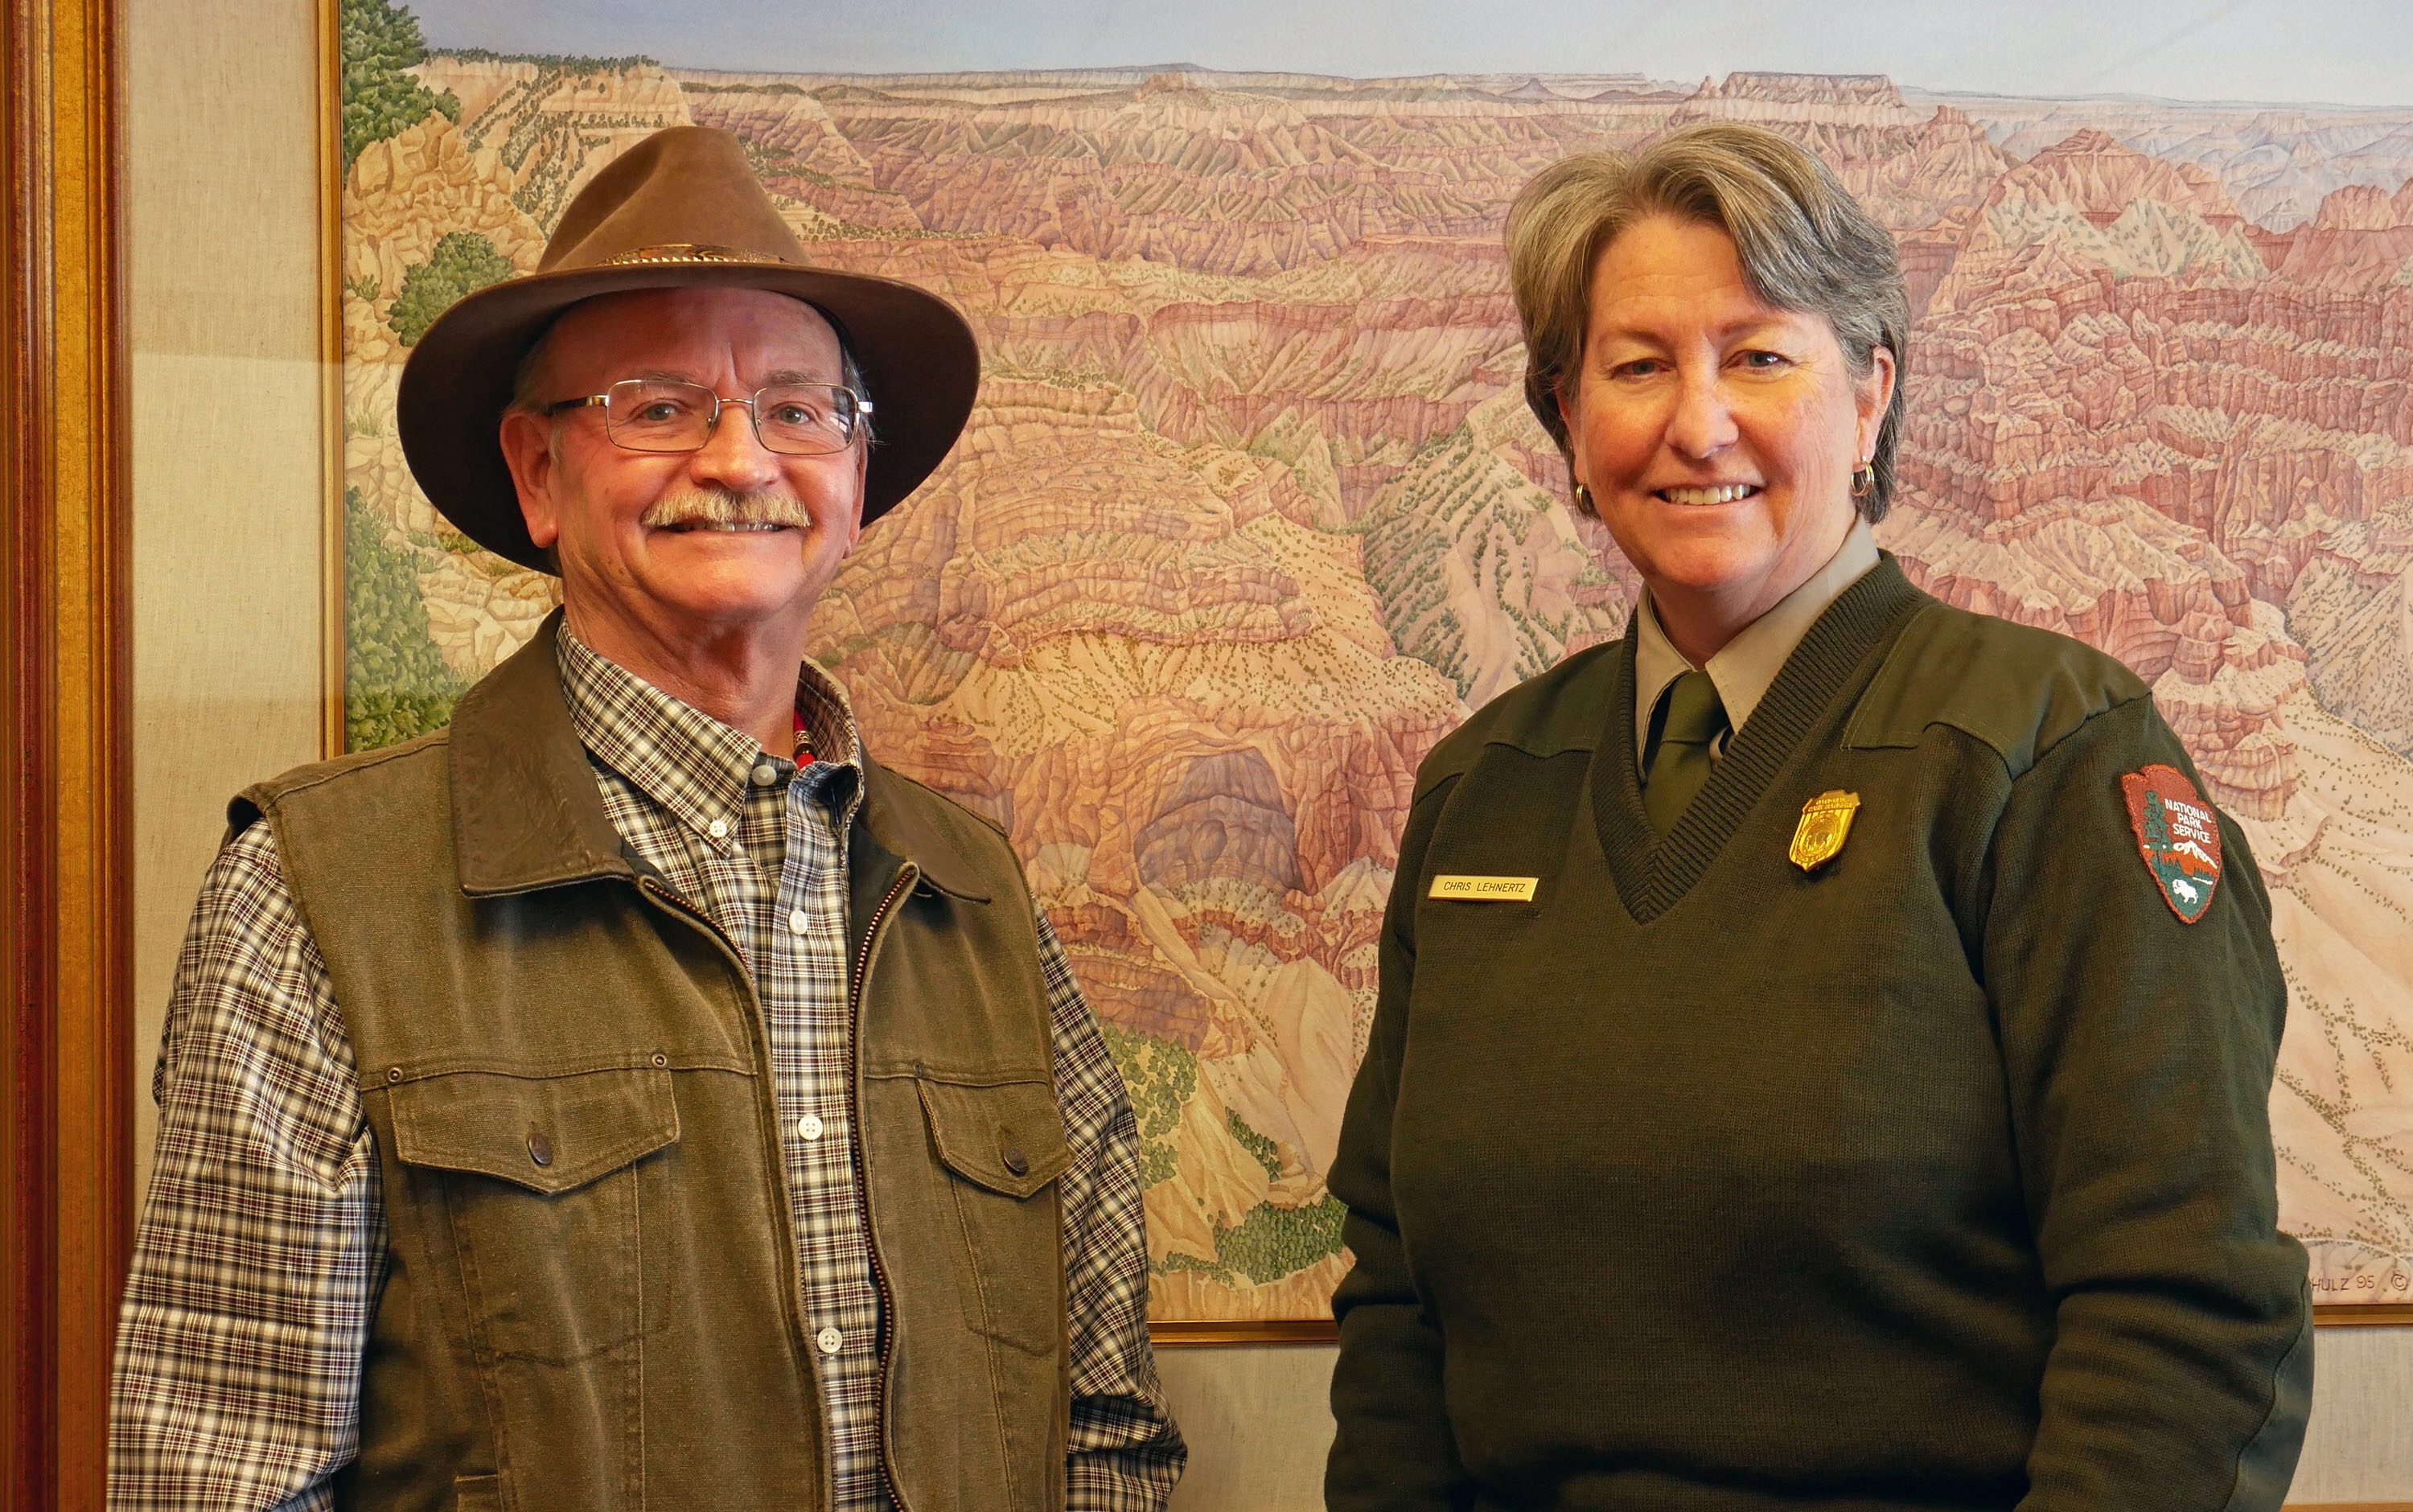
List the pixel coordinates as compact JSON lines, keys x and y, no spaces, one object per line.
{"x":393,"y":1074}
{"x":660,"y":1060}
{"x":1017,"y":1162}
{"x":539,"y":1149}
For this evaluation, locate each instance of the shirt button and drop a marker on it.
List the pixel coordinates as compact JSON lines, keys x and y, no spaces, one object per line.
{"x":796,"y":922}
{"x":720,"y":829}
{"x":765,"y":775}
{"x":808,"y":1128}
{"x":829,"y":1341}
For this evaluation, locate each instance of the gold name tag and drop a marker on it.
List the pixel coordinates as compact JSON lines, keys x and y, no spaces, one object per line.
{"x":1485,"y":889}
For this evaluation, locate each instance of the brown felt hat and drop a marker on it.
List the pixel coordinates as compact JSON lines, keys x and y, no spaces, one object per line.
{"x":679,"y":210}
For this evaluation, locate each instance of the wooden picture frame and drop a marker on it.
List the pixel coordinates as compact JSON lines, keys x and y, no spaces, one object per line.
{"x":66,"y":952}
{"x":2366,"y":1314}
{"x":329,"y":42}
{"x":66,"y":1160}
{"x":1307,"y":1330}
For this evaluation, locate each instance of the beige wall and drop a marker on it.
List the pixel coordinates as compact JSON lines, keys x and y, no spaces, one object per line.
{"x":223,"y":265}
{"x":228,"y":517}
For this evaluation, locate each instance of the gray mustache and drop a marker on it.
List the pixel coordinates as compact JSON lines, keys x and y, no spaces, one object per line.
{"x":714,"y":506}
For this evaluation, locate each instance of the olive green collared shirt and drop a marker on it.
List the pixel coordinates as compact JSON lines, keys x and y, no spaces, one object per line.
{"x":1746,"y":667}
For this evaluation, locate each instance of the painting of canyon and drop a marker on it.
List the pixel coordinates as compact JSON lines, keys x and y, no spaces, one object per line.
{"x":1252,"y":512}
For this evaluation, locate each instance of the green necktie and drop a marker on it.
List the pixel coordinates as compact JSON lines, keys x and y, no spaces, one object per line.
{"x":1678,"y":762}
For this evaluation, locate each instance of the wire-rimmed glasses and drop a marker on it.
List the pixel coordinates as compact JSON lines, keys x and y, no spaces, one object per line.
{"x":668,"y":415}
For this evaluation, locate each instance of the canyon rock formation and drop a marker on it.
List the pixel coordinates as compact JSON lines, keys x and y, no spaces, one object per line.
{"x":1252,"y":512}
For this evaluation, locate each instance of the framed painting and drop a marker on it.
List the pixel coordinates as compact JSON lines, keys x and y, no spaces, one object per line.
{"x":1252,"y":512}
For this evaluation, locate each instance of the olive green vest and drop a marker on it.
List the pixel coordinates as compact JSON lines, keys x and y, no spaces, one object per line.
{"x":592,"y":1297}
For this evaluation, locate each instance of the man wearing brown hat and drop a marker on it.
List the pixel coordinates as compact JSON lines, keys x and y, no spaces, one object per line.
{"x":635,"y":1095}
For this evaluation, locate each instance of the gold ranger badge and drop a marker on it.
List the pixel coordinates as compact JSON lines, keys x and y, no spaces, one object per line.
{"x":1825,"y":820}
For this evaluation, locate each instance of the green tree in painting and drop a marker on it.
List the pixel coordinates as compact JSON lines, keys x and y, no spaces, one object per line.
{"x":1271,"y":1243}
{"x":380,"y":43}
{"x":397,"y":685}
{"x":1160,"y":1075}
{"x":462,"y":263}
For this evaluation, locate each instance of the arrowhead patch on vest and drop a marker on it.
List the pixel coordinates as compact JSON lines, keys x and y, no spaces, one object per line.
{"x":2178,"y":837}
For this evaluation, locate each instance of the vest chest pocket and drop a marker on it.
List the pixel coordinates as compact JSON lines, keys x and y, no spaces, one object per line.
{"x":540,"y":1179}
{"x":1003,"y":1146}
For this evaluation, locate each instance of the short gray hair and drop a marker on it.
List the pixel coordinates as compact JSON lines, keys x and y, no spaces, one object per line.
{"x":1804,"y":243}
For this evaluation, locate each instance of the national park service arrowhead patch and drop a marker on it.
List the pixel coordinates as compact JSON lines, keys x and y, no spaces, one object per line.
{"x":2177,"y":835}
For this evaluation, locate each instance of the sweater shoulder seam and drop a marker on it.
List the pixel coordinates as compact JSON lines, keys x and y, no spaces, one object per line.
{"x":2076,"y":731}
{"x":1519,"y":720}
{"x":2017,"y":689}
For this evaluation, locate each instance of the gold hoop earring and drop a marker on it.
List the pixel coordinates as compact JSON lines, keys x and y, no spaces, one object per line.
{"x":1864,"y":481}
{"x":1583,"y":500}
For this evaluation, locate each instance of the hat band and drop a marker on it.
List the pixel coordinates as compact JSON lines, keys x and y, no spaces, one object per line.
{"x":689,"y":252}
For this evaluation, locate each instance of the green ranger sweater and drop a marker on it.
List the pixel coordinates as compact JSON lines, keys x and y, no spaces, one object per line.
{"x":1937,"y":1177}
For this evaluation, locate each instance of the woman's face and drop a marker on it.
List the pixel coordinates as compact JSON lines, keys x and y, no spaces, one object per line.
{"x":1717,"y":436}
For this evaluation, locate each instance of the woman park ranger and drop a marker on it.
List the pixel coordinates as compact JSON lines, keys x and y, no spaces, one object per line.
{"x":1824,"y":1036}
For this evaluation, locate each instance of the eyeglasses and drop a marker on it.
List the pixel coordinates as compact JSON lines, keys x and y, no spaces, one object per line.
{"x":664,"y":415}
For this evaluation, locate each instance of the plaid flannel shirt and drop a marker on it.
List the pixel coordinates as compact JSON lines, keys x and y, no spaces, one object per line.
{"x":262,"y":1242}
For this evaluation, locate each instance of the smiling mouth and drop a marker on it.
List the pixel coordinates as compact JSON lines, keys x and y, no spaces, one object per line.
{"x":1723,"y":493}
{"x":722,"y":528}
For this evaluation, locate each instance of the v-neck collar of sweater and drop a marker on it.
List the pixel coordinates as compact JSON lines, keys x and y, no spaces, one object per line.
{"x":1654,"y":872}
{"x":1745,"y":668}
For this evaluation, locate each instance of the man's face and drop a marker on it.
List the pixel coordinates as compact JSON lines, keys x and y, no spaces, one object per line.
{"x":644,"y":539}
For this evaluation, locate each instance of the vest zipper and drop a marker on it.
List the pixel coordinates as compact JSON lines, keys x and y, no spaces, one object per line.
{"x":906,"y":876}
{"x":671,"y":901}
